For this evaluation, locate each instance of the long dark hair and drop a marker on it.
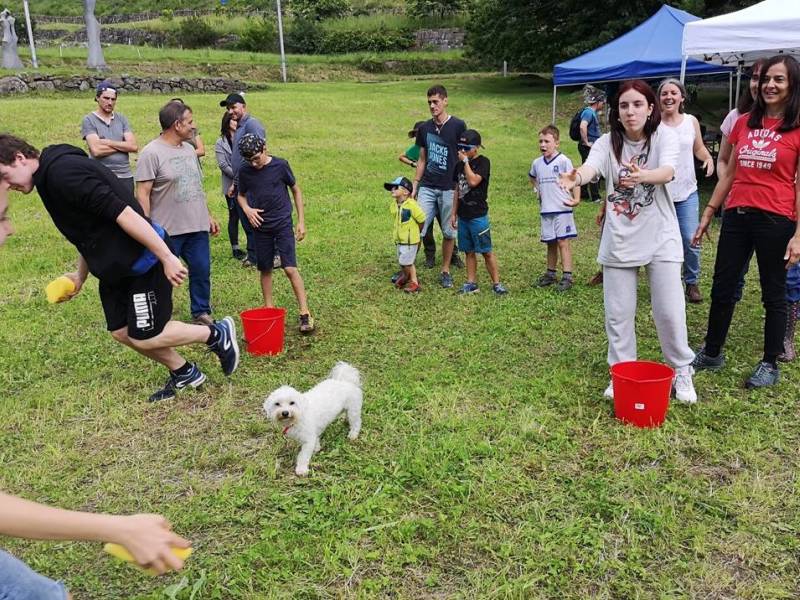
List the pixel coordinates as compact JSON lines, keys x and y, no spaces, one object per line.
{"x":746,"y":100}
{"x":225,"y":128}
{"x":791,"y":115}
{"x":618,"y":129}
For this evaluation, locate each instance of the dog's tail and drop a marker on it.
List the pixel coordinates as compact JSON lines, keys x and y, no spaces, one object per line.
{"x":343,"y":371}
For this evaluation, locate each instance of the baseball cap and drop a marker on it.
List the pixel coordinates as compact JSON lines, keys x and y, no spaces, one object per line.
{"x":470,"y":138}
{"x":232,"y":99}
{"x":402,"y":182}
{"x":103,"y":86}
{"x":414,"y":129}
{"x":250,"y":145}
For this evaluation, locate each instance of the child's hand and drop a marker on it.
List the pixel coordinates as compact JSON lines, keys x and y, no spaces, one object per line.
{"x":300,"y":231}
{"x":462,"y":155}
{"x":634,"y":176}
{"x":572,"y":201}
{"x":254,"y":216}
{"x":454,"y":221}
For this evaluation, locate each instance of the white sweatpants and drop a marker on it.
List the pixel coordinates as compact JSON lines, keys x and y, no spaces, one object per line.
{"x":669,"y":312}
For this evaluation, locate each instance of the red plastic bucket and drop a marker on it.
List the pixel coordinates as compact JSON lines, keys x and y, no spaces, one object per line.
{"x":641,"y":392}
{"x":263,"y":329}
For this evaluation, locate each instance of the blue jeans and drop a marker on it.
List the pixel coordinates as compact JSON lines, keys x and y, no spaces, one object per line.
{"x":195,"y":250}
{"x":437,"y":203}
{"x":688,"y":219}
{"x":19,"y":582}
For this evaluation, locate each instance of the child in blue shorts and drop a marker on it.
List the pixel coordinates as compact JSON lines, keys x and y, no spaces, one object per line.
{"x":264,"y":184}
{"x":471,"y":212}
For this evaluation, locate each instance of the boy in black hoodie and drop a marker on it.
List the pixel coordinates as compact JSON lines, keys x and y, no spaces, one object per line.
{"x":124,"y":250}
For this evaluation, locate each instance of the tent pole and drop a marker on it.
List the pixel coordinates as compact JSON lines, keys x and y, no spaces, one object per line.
{"x":738,"y":79}
{"x":554,"y":105}
{"x":683,"y":68}
{"x":730,"y":91}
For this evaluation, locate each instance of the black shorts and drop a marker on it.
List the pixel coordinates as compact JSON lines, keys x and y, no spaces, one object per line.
{"x":143,"y":303}
{"x":275,"y":242}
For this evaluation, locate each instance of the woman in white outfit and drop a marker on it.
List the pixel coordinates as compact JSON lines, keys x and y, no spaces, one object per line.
{"x":683,"y":189}
{"x":640,"y":229}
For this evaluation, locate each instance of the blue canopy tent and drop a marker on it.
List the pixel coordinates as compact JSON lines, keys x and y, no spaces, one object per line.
{"x":651,"y":50}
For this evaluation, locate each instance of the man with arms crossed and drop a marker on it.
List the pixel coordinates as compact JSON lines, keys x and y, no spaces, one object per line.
{"x":108,"y":134}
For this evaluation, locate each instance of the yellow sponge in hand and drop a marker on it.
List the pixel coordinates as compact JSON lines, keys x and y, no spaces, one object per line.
{"x":59,"y":289}
{"x":121,"y":553}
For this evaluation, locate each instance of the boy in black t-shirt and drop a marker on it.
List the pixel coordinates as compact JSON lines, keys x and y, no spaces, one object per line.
{"x":471,"y":212}
{"x":264,"y":181}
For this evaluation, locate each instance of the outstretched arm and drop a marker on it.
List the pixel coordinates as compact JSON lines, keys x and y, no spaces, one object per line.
{"x":147,"y":537}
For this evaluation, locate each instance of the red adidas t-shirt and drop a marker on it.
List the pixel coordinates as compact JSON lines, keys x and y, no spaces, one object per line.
{"x":766,"y":167}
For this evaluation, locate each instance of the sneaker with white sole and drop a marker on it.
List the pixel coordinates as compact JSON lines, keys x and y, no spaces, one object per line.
{"x":175,"y":383}
{"x":609,"y":393}
{"x":226,"y":347}
{"x":683,"y":385}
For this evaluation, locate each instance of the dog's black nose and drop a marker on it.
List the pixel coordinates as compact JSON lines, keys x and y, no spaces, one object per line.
{"x":285,"y":413}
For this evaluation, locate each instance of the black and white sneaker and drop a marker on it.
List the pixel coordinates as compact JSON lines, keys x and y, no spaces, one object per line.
{"x":225,"y":347}
{"x":193,"y":379}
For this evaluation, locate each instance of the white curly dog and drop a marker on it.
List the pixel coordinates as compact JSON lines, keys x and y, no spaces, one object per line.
{"x":304,"y":416}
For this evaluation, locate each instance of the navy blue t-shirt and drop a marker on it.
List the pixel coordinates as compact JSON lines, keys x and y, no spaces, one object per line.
{"x":267,"y":188}
{"x":441,"y":147}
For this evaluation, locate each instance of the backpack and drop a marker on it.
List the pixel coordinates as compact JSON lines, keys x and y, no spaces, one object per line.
{"x":575,"y":126}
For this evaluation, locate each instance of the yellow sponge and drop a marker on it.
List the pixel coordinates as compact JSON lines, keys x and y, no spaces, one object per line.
{"x":121,"y":553}
{"x":59,"y":289}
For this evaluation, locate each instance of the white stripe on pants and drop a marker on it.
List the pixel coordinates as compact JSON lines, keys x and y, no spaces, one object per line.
{"x":668,"y":306}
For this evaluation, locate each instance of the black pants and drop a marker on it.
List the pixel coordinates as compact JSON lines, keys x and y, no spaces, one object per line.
{"x":233,"y":221}
{"x":591,"y":190}
{"x":235,"y":209}
{"x":741,"y":234}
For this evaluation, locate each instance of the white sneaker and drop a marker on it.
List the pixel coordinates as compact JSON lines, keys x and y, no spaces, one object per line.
{"x":609,"y":393}
{"x":682,"y":383}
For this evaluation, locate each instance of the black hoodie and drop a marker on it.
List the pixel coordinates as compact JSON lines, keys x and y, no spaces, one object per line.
{"x":84,"y":199}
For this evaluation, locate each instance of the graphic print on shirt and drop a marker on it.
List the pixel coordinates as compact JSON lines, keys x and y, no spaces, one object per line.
{"x":188,"y":184}
{"x":438,"y":154}
{"x":405,"y":215}
{"x":629,"y":202}
{"x":756,"y":153}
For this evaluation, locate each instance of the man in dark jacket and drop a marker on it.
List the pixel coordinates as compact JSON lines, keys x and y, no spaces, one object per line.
{"x":124,"y":250}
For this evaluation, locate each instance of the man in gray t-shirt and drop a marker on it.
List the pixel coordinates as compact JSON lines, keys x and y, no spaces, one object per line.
{"x":108,"y":133}
{"x":170,"y":190}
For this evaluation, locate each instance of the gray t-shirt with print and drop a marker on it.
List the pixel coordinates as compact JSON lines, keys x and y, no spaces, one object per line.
{"x":640,"y":226}
{"x":177,"y":200}
{"x":115,"y":130}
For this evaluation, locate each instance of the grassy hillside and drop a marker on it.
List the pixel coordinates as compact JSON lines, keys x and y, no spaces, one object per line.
{"x":489,"y":466}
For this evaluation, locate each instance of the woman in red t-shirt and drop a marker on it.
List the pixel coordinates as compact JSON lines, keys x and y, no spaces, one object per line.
{"x":761,"y":215}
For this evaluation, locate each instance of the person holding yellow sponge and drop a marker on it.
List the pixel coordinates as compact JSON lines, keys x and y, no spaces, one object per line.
{"x":146,"y":538}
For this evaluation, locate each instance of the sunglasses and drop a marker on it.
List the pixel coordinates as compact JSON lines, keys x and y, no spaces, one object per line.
{"x":466,"y":147}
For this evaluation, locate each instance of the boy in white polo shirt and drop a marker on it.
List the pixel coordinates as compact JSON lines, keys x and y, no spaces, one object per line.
{"x":558,"y":223}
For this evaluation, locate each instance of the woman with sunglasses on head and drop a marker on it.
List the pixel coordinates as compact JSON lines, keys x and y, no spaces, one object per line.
{"x":683,"y":189}
{"x":763,"y":197}
{"x":640,"y":229}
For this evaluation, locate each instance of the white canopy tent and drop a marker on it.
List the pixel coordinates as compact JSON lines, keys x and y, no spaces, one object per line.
{"x":739,"y":38}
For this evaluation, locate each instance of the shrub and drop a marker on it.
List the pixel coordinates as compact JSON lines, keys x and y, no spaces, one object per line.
{"x":421,"y":9}
{"x":304,"y":37}
{"x":259,"y":36}
{"x":378,"y":40}
{"x":317,"y":10}
{"x":194,"y":32}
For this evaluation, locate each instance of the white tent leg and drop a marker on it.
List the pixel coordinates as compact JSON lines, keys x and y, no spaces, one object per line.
{"x":738,"y":81}
{"x":683,"y":69}
{"x":554,"y":105}
{"x":730,"y":92}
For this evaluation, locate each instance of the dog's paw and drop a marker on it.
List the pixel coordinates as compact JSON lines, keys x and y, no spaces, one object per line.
{"x":301,"y":471}
{"x":352,"y":435}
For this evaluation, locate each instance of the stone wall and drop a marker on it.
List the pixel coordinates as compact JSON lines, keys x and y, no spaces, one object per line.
{"x":137,"y":37}
{"x":29,"y":82}
{"x":440,"y":39}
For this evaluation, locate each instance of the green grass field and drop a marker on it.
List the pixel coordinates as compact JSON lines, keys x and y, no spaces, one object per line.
{"x":489,"y":466}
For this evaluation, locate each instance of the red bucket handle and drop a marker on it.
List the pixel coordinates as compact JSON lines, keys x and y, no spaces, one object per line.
{"x":269,"y":329}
